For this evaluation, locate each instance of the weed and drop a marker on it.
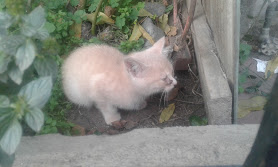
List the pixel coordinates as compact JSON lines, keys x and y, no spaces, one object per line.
{"x":244,"y":53}
{"x":129,"y":46}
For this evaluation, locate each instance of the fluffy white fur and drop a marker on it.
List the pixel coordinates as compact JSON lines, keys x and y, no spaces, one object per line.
{"x":102,"y":76}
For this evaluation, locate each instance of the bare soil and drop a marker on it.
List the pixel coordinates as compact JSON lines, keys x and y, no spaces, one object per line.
{"x":188,"y":102}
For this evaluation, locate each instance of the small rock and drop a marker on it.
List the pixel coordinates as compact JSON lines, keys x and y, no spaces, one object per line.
{"x":130,"y":125}
{"x":91,"y":132}
{"x":155,"y":32}
{"x":155,"y":8}
{"x":112,"y":132}
{"x":109,"y":11}
{"x":78,"y":130}
{"x":173,"y":93}
{"x":119,"y":124}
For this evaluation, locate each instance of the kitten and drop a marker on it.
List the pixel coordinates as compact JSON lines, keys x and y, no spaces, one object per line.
{"x":102,"y":76}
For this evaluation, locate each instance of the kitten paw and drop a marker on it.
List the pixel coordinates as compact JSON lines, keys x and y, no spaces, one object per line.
{"x":112,"y":118}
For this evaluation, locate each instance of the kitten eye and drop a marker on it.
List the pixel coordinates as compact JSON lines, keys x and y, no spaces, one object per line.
{"x":164,"y":79}
{"x":167,"y":80}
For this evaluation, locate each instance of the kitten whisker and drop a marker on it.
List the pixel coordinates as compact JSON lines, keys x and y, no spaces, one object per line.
{"x":160,"y":99}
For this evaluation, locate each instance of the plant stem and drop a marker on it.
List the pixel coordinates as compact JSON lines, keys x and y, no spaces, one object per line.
{"x":189,"y":18}
{"x":93,"y":30}
{"x":175,"y":11}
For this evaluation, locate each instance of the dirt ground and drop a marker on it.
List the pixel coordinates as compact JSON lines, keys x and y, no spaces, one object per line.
{"x":189,"y":101}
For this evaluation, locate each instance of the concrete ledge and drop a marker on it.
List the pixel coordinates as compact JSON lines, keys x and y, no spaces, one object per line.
{"x":215,"y":88}
{"x":177,"y":146}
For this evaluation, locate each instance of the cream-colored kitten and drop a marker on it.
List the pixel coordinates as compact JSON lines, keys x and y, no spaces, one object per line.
{"x":102,"y":76}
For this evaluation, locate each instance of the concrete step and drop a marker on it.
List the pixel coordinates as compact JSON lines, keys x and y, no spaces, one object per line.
{"x":174,"y":146}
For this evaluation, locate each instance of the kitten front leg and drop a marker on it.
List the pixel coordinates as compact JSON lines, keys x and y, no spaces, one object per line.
{"x":109,"y":113}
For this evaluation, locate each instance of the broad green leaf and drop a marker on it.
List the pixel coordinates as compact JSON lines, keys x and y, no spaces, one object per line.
{"x":198,"y":121}
{"x":136,"y":33}
{"x":49,"y":26}
{"x":74,"y":2}
{"x":35,"y":118}
{"x":46,"y":67}
{"x":37,"y":17}
{"x":271,"y":67}
{"x":4,"y":62}
{"x":25,"y":55}
{"x":42,"y":34}
{"x":253,"y":104}
{"x":3,"y":32}
{"x":5,"y":20}
{"x":16,"y":75}
{"x":5,"y":159}
{"x":167,"y":113}
{"x":4,"y":78}
{"x":33,"y":22}
{"x":9,"y":44}
{"x":7,"y":115}
{"x":37,"y":92}
{"x":4,"y":101}
{"x":11,"y":138}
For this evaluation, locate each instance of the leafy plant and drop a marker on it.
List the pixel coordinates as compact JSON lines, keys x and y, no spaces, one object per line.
{"x":244,"y":52}
{"x":129,"y":46}
{"x":20,"y":38}
{"x":127,"y":14}
{"x":198,"y":121}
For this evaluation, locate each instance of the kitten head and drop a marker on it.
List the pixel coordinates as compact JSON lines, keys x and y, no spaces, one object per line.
{"x":150,"y":70}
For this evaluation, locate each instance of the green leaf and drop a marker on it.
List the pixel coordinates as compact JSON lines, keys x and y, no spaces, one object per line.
{"x":12,"y":137}
{"x":4,"y":62}
{"x":198,"y":121}
{"x":37,"y":92}
{"x":114,"y":3}
{"x":120,"y":22}
{"x":79,"y":15}
{"x":5,"y":159}
{"x":5,"y":20}
{"x":33,"y":22}
{"x":46,"y":67}
{"x":37,"y":17}
{"x":35,"y":118}
{"x":50,"y":27}
{"x":9,"y":44}
{"x":92,"y":7}
{"x":25,"y":55}
{"x":4,"y":78}
{"x":74,"y":2}
{"x":16,"y":75}
{"x":42,"y":34}
{"x":7,"y":115}
{"x":4,"y":101}
{"x":251,"y":89}
{"x":169,"y":8}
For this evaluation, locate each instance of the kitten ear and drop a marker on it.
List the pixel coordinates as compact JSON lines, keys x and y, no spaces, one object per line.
{"x":134,"y":67}
{"x":159,"y":45}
